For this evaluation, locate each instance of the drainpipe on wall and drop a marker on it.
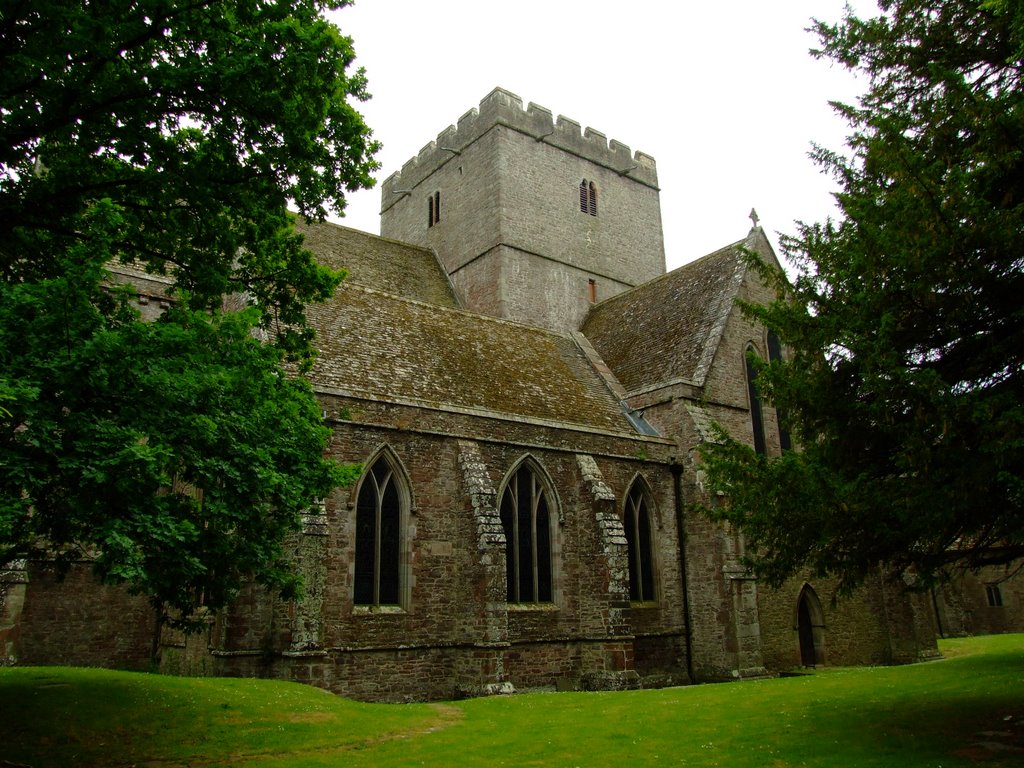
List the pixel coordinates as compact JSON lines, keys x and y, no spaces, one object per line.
{"x":677,"y":485}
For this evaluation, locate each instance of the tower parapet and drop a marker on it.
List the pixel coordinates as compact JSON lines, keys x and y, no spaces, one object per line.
{"x":501,"y":107}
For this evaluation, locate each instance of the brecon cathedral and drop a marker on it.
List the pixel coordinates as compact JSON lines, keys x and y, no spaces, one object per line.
{"x":526,"y":388}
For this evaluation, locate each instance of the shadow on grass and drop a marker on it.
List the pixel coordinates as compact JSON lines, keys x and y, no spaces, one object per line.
{"x":966,"y":711}
{"x":89,"y":717}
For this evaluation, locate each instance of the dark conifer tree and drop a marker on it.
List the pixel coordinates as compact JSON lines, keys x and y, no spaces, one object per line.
{"x":904,"y":323}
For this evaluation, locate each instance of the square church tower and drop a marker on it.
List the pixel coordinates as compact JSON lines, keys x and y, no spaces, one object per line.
{"x":534,"y":219}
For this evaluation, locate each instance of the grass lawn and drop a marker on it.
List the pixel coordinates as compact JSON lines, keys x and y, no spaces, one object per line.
{"x":967,"y":710}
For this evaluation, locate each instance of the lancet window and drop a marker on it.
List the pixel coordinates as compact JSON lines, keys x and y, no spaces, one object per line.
{"x":775,"y":353}
{"x":756,"y":417}
{"x":379,"y":515}
{"x":526,"y":512}
{"x":637,"y":522}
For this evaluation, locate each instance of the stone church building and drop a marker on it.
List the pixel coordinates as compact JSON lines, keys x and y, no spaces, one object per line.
{"x":526,"y":388}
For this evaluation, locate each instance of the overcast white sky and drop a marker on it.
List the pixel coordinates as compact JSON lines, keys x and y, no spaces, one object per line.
{"x":723,"y":95}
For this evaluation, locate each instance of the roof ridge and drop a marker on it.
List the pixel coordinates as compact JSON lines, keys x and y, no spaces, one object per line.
{"x":714,"y":338}
{"x":412,"y":246}
{"x":611,"y":300}
{"x":459,"y":310}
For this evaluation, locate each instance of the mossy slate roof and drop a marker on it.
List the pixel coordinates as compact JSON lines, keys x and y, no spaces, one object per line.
{"x":669,"y":329}
{"x":376,"y":262}
{"x":391,"y":348}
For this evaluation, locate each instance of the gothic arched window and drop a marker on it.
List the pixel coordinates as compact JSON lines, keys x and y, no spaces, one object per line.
{"x":637,"y":521}
{"x":526,"y":511}
{"x":775,"y":353}
{"x":756,"y":419}
{"x":379,"y":515}
{"x":588,"y":197}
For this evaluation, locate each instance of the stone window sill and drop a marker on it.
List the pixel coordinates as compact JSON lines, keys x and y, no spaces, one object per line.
{"x":371,"y":610}
{"x":524,"y":607}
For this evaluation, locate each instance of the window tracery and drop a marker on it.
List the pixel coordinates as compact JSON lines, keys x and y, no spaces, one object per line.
{"x":637,"y":522}
{"x":526,"y":513}
{"x":379,"y":522}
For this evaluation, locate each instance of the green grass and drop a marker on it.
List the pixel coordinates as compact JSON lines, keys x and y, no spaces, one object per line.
{"x":967,"y":710}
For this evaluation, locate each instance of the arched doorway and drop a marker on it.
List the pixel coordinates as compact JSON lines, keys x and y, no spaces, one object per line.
{"x":810,"y":627}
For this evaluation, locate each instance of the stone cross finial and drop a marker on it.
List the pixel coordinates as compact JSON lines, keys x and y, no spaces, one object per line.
{"x":754,"y":217}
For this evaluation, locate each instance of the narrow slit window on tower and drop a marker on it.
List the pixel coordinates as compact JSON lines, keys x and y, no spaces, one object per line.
{"x":588,"y":197}
{"x":592,"y":290}
{"x":433,"y":209}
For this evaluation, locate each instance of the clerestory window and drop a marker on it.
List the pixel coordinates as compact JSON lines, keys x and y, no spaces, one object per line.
{"x":637,"y":522}
{"x":526,"y":511}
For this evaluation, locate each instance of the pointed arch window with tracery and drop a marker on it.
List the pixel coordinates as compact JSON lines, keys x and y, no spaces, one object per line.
{"x":378,"y":552}
{"x":637,"y":522}
{"x":526,"y":513}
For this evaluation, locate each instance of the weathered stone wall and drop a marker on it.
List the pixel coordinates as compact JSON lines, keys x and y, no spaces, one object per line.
{"x":455,"y":635}
{"x":726,"y":642}
{"x":964,"y":604}
{"x":470,"y":212}
{"x":77,"y":621}
{"x":528,"y":288}
{"x":13,"y":580}
{"x":855,"y":633}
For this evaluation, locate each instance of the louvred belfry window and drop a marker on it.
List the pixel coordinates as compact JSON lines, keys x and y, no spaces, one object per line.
{"x":588,"y":197}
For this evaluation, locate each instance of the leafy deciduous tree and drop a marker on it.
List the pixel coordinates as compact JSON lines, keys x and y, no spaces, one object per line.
{"x":904,"y":380}
{"x":169,"y":134}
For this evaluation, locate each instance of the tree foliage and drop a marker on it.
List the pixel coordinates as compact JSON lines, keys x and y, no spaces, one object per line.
{"x":169,"y":135}
{"x":904,"y":379}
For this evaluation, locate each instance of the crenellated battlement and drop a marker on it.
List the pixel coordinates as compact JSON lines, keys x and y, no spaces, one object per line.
{"x":501,"y":107}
